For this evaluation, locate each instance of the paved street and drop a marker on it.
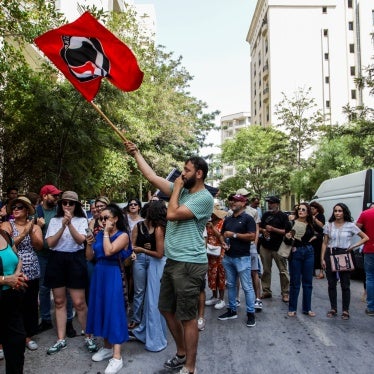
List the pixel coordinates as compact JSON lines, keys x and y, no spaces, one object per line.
{"x":278,"y":344}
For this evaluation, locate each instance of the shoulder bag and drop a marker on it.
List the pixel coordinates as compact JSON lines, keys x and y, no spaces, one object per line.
{"x":341,"y":262}
{"x":284,"y":250}
{"x":213,"y":250}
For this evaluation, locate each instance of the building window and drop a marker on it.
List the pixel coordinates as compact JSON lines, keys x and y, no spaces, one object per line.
{"x":353,"y":70}
{"x":353,"y":94}
{"x":327,"y":80}
{"x":349,"y":3}
{"x":326,"y":56}
{"x":325,"y":32}
{"x":372,"y":16}
{"x":350,"y":25}
{"x":324,"y":10}
{"x":352,"y":48}
{"x":327,"y":103}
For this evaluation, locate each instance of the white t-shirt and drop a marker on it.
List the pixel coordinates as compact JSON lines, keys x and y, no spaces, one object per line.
{"x":340,"y":237}
{"x":67,"y":242}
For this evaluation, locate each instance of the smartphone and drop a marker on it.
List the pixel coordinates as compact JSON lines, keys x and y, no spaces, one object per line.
{"x":89,"y":231}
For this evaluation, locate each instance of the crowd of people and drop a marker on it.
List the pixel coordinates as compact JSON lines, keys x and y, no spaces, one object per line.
{"x":131,"y":274}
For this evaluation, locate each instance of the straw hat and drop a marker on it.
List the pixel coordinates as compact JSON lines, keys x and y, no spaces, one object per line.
{"x":221,"y":214}
{"x":21,"y":199}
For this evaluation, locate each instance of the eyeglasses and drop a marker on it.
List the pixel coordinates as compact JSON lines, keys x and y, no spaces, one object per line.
{"x":18,"y":207}
{"x":68,"y":203}
{"x":302,"y":209}
{"x":133,"y":204}
{"x":104,"y":218}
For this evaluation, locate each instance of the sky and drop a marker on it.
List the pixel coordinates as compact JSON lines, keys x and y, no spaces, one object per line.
{"x":210,"y":35}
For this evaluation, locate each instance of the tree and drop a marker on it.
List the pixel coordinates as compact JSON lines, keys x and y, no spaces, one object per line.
{"x":261,"y":157}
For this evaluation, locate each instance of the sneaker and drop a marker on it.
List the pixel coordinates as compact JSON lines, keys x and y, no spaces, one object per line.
{"x":91,"y":345}
{"x":1,"y":354}
{"x":31,"y":345}
{"x":70,"y":331}
{"x":220,"y":305}
{"x":211,"y":301}
{"x":102,"y":354}
{"x":132,"y":337}
{"x":258,"y":305}
{"x":175,"y":362}
{"x":59,"y":346}
{"x":237,"y":302}
{"x":230,"y":314}
{"x":201,"y":324}
{"x":45,"y":325}
{"x":251,"y":321}
{"x":184,"y":370}
{"x":114,"y":366}
{"x":369,"y":312}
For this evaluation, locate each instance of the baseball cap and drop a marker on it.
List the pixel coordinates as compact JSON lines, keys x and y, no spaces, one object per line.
{"x":242,"y":191}
{"x":273,"y":199}
{"x":239,"y":197}
{"x":49,"y":189}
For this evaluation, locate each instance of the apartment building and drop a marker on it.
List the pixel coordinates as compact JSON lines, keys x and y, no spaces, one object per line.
{"x":322,"y":44}
{"x":230,"y":125}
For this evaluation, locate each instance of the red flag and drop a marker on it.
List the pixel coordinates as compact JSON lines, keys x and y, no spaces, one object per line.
{"x":85,"y":52}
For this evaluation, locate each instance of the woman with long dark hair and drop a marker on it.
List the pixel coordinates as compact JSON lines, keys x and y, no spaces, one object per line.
{"x":107,"y":310}
{"x":338,"y":234}
{"x":318,"y":224}
{"x":301,"y":260}
{"x":67,"y":267}
{"x":149,"y":237}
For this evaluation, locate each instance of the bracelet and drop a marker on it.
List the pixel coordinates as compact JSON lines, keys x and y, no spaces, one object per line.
{"x":106,"y":236}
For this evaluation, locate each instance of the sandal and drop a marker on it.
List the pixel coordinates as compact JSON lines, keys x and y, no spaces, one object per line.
{"x":345,"y":316}
{"x":332,"y":313}
{"x":310,"y":313}
{"x":132,"y":325}
{"x":291,"y":314}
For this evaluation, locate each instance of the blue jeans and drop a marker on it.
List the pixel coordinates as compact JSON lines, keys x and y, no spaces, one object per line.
{"x":301,"y":267}
{"x":45,"y":295}
{"x":241,"y":266}
{"x":369,"y":270}
{"x":139,"y":273}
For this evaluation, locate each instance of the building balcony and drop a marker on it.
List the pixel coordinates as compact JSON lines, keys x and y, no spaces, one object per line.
{"x":264,"y":28}
{"x":265,"y":94}
{"x":265,"y":71}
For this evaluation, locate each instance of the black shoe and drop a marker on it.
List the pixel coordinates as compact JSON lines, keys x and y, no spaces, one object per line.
{"x":251,"y":322}
{"x":44,"y":326}
{"x":70,"y":331}
{"x":230,"y":314}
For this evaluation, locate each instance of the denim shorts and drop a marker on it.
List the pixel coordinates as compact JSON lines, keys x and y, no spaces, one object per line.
{"x":181,"y":284}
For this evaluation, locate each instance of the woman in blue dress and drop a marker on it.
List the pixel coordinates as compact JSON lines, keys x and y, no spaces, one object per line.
{"x":106,"y":310}
{"x":149,"y":236}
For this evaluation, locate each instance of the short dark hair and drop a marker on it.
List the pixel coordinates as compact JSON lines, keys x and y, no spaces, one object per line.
{"x":199,"y":164}
{"x":11,"y":189}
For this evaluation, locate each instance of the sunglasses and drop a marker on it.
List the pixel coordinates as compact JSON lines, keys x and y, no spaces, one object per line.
{"x":133,"y":204}
{"x":68,"y":203}
{"x":18,"y":207}
{"x":104,"y":218}
{"x":302,"y":209}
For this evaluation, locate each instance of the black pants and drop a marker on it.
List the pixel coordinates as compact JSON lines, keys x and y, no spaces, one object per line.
{"x":332,"y":279}
{"x":12,"y":332}
{"x":30,"y":308}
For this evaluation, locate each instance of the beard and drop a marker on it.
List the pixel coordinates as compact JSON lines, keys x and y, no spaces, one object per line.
{"x":51,"y":204}
{"x":189,"y":183}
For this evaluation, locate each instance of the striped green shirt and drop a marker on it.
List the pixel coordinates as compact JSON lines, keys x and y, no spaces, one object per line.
{"x":184,"y":240}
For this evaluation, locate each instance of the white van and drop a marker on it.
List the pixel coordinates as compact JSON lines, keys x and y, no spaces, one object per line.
{"x":355,"y":190}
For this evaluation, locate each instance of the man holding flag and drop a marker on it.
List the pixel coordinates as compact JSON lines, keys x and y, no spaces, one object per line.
{"x":190,"y":207}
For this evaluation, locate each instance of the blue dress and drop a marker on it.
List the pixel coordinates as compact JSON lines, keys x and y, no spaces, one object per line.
{"x":106,"y":309}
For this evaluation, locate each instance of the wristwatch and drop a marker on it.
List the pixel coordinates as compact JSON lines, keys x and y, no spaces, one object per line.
{"x":234,"y":236}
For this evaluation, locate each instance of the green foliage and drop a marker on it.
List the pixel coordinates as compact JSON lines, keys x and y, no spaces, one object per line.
{"x":231,"y":185}
{"x":261,"y":157}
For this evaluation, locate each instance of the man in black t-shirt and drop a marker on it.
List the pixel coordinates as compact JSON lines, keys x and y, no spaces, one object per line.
{"x":272,"y":227}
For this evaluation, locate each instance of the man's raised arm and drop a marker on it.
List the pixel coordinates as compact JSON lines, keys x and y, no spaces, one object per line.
{"x":161,"y":183}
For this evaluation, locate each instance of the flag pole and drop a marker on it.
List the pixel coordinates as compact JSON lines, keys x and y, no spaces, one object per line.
{"x":109,"y":122}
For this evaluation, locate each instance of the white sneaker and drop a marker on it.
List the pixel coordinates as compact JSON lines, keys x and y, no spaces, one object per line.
{"x":220,"y":305}
{"x":114,"y":366}
{"x":211,"y":301}
{"x":258,"y":305}
{"x":1,"y":354}
{"x":201,"y":324}
{"x":102,"y":354}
